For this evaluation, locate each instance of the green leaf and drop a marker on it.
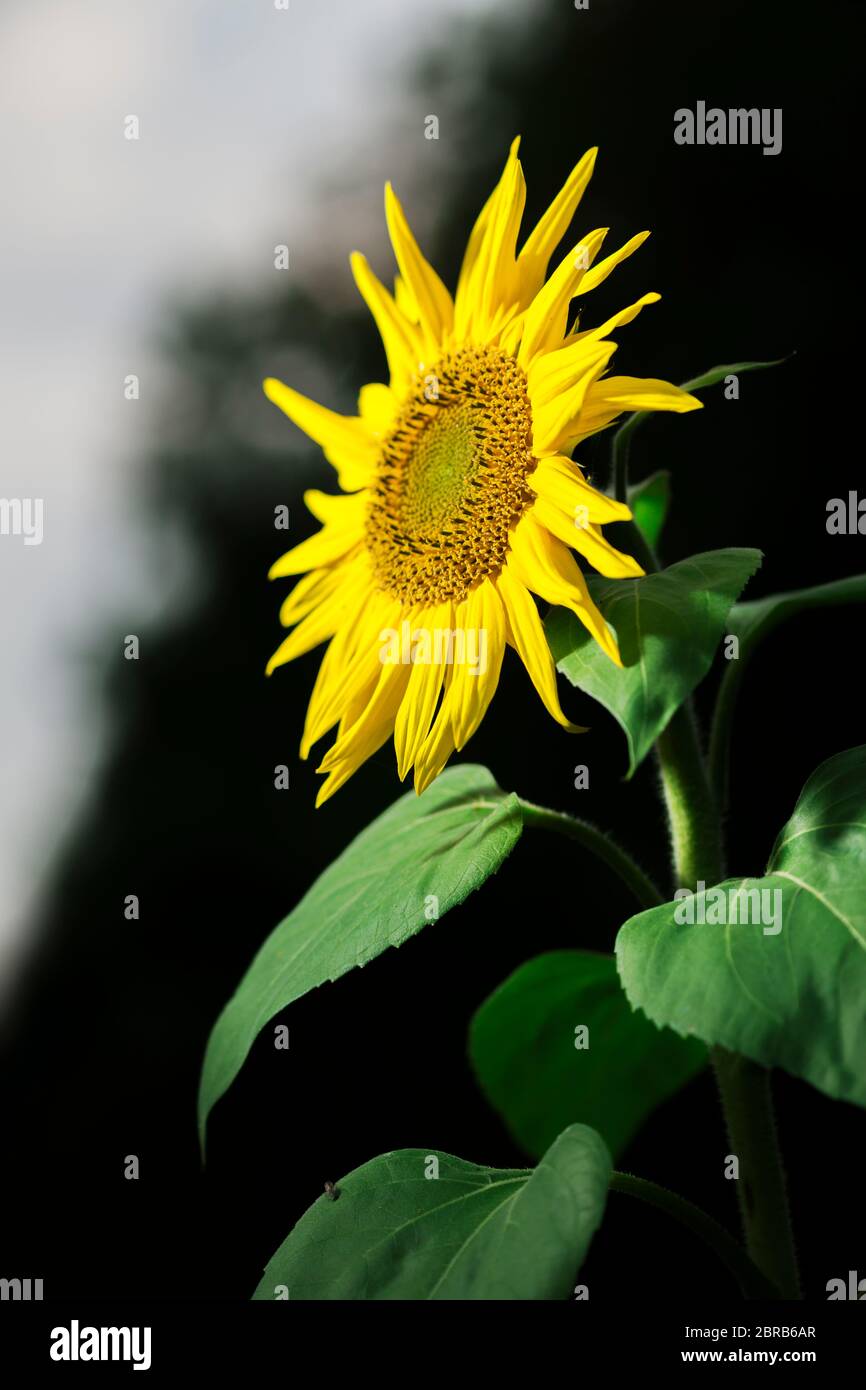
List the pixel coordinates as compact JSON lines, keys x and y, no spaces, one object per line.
{"x":791,"y":997}
{"x":755,"y":619}
{"x":668,"y":625}
{"x":649,"y":502}
{"x":524,"y":1050}
{"x":751,"y":623}
{"x":717,"y":374}
{"x":394,"y":1232}
{"x":423,"y":856}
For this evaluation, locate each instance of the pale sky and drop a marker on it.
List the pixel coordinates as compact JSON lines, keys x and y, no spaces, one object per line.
{"x":253,"y":121}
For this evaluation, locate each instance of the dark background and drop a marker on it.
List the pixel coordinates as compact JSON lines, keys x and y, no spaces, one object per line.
{"x":756,"y":257}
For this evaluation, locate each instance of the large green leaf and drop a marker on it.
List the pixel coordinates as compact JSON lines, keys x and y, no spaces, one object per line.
{"x":649,"y":502}
{"x":395,"y":1231}
{"x":792,"y":997}
{"x":524,"y":1049}
{"x":423,"y":856}
{"x":669,"y":626}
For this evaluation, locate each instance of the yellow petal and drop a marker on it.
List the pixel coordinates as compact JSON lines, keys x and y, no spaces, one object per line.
{"x":369,"y":731}
{"x":350,"y":665}
{"x":559,"y":393}
{"x":592,"y":418}
{"x":462,"y":303}
{"x":609,"y":397}
{"x":589,"y":541}
{"x":344,"y":439}
{"x":401,"y":339}
{"x":641,"y":393}
{"x":526,"y":635}
{"x":313,"y":589}
{"x":546,"y":318}
{"x":334,"y":509}
{"x":378,"y":406}
{"x":435,"y":309}
{"x":307,"y":590}
{"x":555,"y":372}
{"x":328,"y":695}
{"x":343,"y":528}
{"x":422,"y":693}
{"x":543,"y":564}
{"x":404,"y":300}
{"x":496,"y":281}
{"x":437,"y":747}
{"x":624,"y":316}
{"x":475,"y":679}
{"x":492,"y":278}
{"x":600,"y":272}
{"x":551,"y":228}
{"x":559,"y":482}
{"x":511,"y":333}
{"x":321,"y":623}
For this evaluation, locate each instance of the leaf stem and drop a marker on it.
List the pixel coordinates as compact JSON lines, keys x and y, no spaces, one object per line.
{"x":599,"y":844}
{"x":752,"y":1283}
{"x":765,"y":615}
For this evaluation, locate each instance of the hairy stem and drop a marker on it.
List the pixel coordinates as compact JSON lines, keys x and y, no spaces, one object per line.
{"x":599,"y":844}
{"x":693,"y":817}
{"x":743,"y":1085}
{"x":768,"y":614}
{"x":761,"y":1190}
{"x":753,"y":1284}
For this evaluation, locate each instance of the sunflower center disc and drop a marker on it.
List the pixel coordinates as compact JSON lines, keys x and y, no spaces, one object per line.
{"x":452,"y":478}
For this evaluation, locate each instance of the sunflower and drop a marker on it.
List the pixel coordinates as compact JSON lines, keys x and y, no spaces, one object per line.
{"x":460,"y":499}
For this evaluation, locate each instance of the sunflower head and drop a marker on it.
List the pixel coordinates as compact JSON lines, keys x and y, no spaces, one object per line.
{"x":460,"y":497}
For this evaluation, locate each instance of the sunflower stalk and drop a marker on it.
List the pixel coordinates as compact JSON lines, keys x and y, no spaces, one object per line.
{"x":693,"y":818}
{"x":747,"y":1101}
{"x":744,"y":1086}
